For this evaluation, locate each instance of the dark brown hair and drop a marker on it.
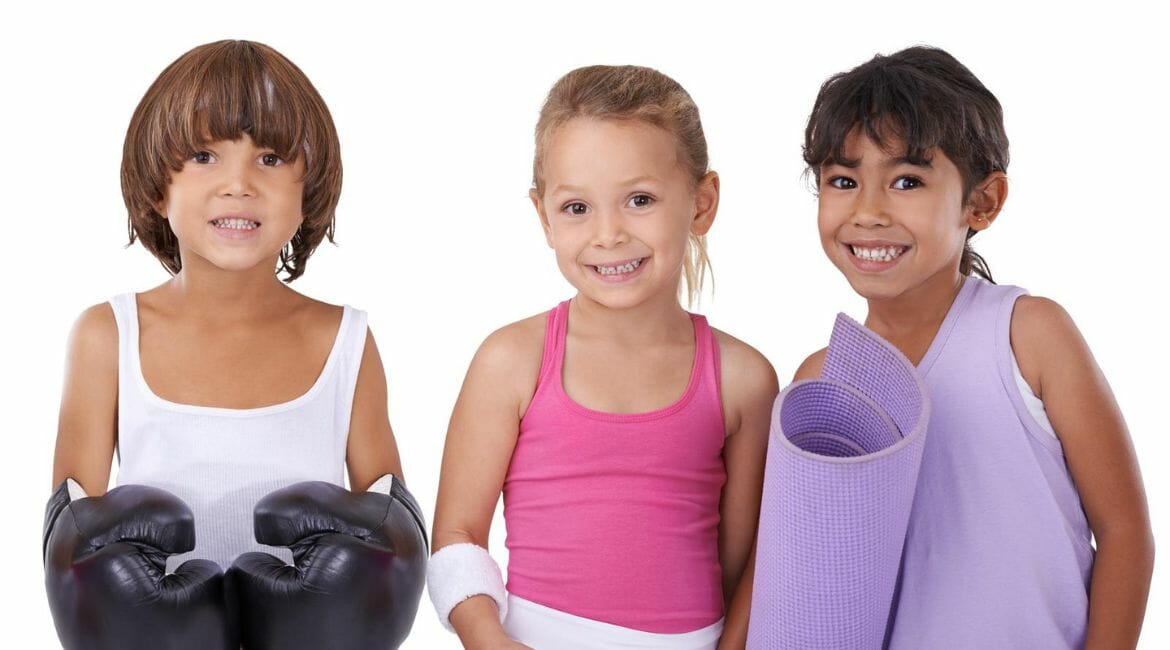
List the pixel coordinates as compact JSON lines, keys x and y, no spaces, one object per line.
{"x":634,"y":93}
{"x":220,"y":91}
{"x":923,"y":98}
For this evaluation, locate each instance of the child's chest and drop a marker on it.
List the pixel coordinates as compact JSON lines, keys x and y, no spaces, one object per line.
{"x":615,"y":379}
{"x":233,"y":367}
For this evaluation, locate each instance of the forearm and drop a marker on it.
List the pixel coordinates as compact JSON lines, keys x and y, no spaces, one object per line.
{"x":477,"y":622}
{"x":735,"y":625}
{"x":475,"y":618}
{"x":1119,"y":588}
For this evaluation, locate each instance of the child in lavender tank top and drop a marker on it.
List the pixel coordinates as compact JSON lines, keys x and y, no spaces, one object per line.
{"x":627,"y":436}
{"x":909,"y":154}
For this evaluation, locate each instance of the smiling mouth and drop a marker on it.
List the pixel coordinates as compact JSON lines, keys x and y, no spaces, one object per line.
{"x":235,"y":223}
{"x":877,"y":253}
{"x":619,"y":269}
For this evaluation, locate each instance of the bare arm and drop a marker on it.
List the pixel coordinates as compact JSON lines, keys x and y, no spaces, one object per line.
{"x":1057,"y":363}
{"x":735,"y":627}
{"x":749,"y":387}
{"x":371,"y":451}
{"x":87,"y":426}
{"x":480,"y":440}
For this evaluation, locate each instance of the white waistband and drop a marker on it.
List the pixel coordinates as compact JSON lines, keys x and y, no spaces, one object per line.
{"x":544,"y":628}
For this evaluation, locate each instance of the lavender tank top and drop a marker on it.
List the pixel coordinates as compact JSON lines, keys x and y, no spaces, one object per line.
{"x":998,"y":551}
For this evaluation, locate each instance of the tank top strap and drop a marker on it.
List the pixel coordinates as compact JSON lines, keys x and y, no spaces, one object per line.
{"x":125,"y":306}
{"x":351,"y":344}
{"x":553,"y":359}
{"x":707,"y":362}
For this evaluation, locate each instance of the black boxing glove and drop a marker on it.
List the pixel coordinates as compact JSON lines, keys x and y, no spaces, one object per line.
{"x":105,"y":573}
{"x":360,"y":565}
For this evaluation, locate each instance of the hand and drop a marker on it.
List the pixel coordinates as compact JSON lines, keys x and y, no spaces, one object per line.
{"x":105,"y":573}
{"x":360,"y":564}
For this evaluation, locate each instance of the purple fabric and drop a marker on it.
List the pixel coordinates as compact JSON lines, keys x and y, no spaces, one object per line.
{"x":842,"y":465}
{"x":998,"y":550}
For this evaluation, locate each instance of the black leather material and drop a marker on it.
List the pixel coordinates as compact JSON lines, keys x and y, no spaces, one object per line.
{"x":360,"y":565}
{"x":105,"y":574}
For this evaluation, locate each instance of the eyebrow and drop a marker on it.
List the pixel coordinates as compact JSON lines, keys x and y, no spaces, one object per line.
{"x":889,"y":163}
{"x":574,"y":189}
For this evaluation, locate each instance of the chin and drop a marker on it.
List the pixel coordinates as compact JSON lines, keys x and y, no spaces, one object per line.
{"x":873,"y":289}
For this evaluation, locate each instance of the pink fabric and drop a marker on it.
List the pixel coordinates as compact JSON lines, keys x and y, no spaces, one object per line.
{"x":614,"y":517}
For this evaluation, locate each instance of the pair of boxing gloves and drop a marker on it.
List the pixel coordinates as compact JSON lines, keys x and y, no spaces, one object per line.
{"x":360,"y":565}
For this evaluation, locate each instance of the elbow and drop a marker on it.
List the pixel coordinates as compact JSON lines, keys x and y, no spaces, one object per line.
{"x":1135,"y":540}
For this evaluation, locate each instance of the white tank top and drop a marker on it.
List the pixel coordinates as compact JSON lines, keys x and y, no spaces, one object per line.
{"x":221,"y":461}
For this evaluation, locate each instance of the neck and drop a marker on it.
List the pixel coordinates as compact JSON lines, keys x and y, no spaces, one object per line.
{"x":219,"y":294}
{"x":921,"y":309}
{"x":655,"y":320}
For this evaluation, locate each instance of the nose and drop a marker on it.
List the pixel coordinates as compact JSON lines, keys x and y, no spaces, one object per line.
{"x":870,"y":208}
{"x":609,"y":229}
{"x":238,"y":179}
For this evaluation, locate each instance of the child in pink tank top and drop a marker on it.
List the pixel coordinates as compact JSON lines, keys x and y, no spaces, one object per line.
{"x":627,"y":437}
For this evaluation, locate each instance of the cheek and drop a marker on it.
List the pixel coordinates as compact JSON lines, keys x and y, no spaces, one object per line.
{"x":826,"y":227}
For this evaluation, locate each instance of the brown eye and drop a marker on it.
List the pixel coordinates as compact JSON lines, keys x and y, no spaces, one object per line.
{"x":201,"y":157}
{"x":270,"y":160}
{"x":576,"y":208}
{"x":907,"y":183}
{"x":842,"y":182}
{"x":640,"y":201}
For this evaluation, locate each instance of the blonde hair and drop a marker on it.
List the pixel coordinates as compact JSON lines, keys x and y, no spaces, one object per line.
{"x":629,"y":92}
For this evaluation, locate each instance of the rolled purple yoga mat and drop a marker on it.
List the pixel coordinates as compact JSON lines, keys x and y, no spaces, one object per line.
{"x":843,"y":462}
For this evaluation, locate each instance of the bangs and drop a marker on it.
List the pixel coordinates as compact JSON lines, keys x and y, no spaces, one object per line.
{"x":909,"y":103}
{"x":222,"y":91}
{"x":893,"y":110}
{"x":239,"y":89}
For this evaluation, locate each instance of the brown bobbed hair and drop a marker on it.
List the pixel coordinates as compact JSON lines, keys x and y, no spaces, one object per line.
{"x":921,"y":98}
{"x":221,"y":91}
{"x":631,"y":93}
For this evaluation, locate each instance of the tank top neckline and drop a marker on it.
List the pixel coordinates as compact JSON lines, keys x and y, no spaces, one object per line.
{"x":132,"y":346}
{"x":557,"y":335}
{"x":958,"y":305}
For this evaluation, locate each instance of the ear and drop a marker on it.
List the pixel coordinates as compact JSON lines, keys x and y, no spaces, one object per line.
{"x":986,"y":200}
{"x":538,"y":203}
{"x":706,"y":203}
{"x":160,"y":205}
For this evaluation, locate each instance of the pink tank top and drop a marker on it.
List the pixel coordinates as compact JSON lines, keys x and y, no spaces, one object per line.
{"x":614,"y":517}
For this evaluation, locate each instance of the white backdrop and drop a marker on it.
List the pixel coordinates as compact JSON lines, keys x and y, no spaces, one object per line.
{"x":436,"y":104}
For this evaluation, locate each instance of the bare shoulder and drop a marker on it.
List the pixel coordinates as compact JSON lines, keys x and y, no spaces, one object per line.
{"x":320,"y":318}
{"x":741,"y":363}
{"x":1044,"y":338}
{"x":1035,"y":317}
{"x":811,"y":367}
{"x":747,"y":380}
{"x":94,"y":336}
{"x":515,"y":346}
{"x":502,"y":379}
{"x":87,"y":422}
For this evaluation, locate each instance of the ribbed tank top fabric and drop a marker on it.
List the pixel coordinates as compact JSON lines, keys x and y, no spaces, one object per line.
{"x":614,"y":517}
{"x":221,"y":461}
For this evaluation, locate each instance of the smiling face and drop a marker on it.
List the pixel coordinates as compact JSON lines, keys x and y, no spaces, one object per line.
{"x":234,"y":205}
{"x":617,"y":209}
{"x":893,"y":225}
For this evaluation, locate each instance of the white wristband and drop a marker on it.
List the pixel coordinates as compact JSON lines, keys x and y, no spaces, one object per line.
{"x":460,"y":571}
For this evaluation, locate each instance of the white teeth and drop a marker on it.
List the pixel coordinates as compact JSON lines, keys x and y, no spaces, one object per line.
{"x":879,"y":254}
{"x":236,"y":224}
{"x":615,"y":270}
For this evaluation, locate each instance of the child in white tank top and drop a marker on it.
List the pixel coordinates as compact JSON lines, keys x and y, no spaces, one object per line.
{"x":222,"y":383}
